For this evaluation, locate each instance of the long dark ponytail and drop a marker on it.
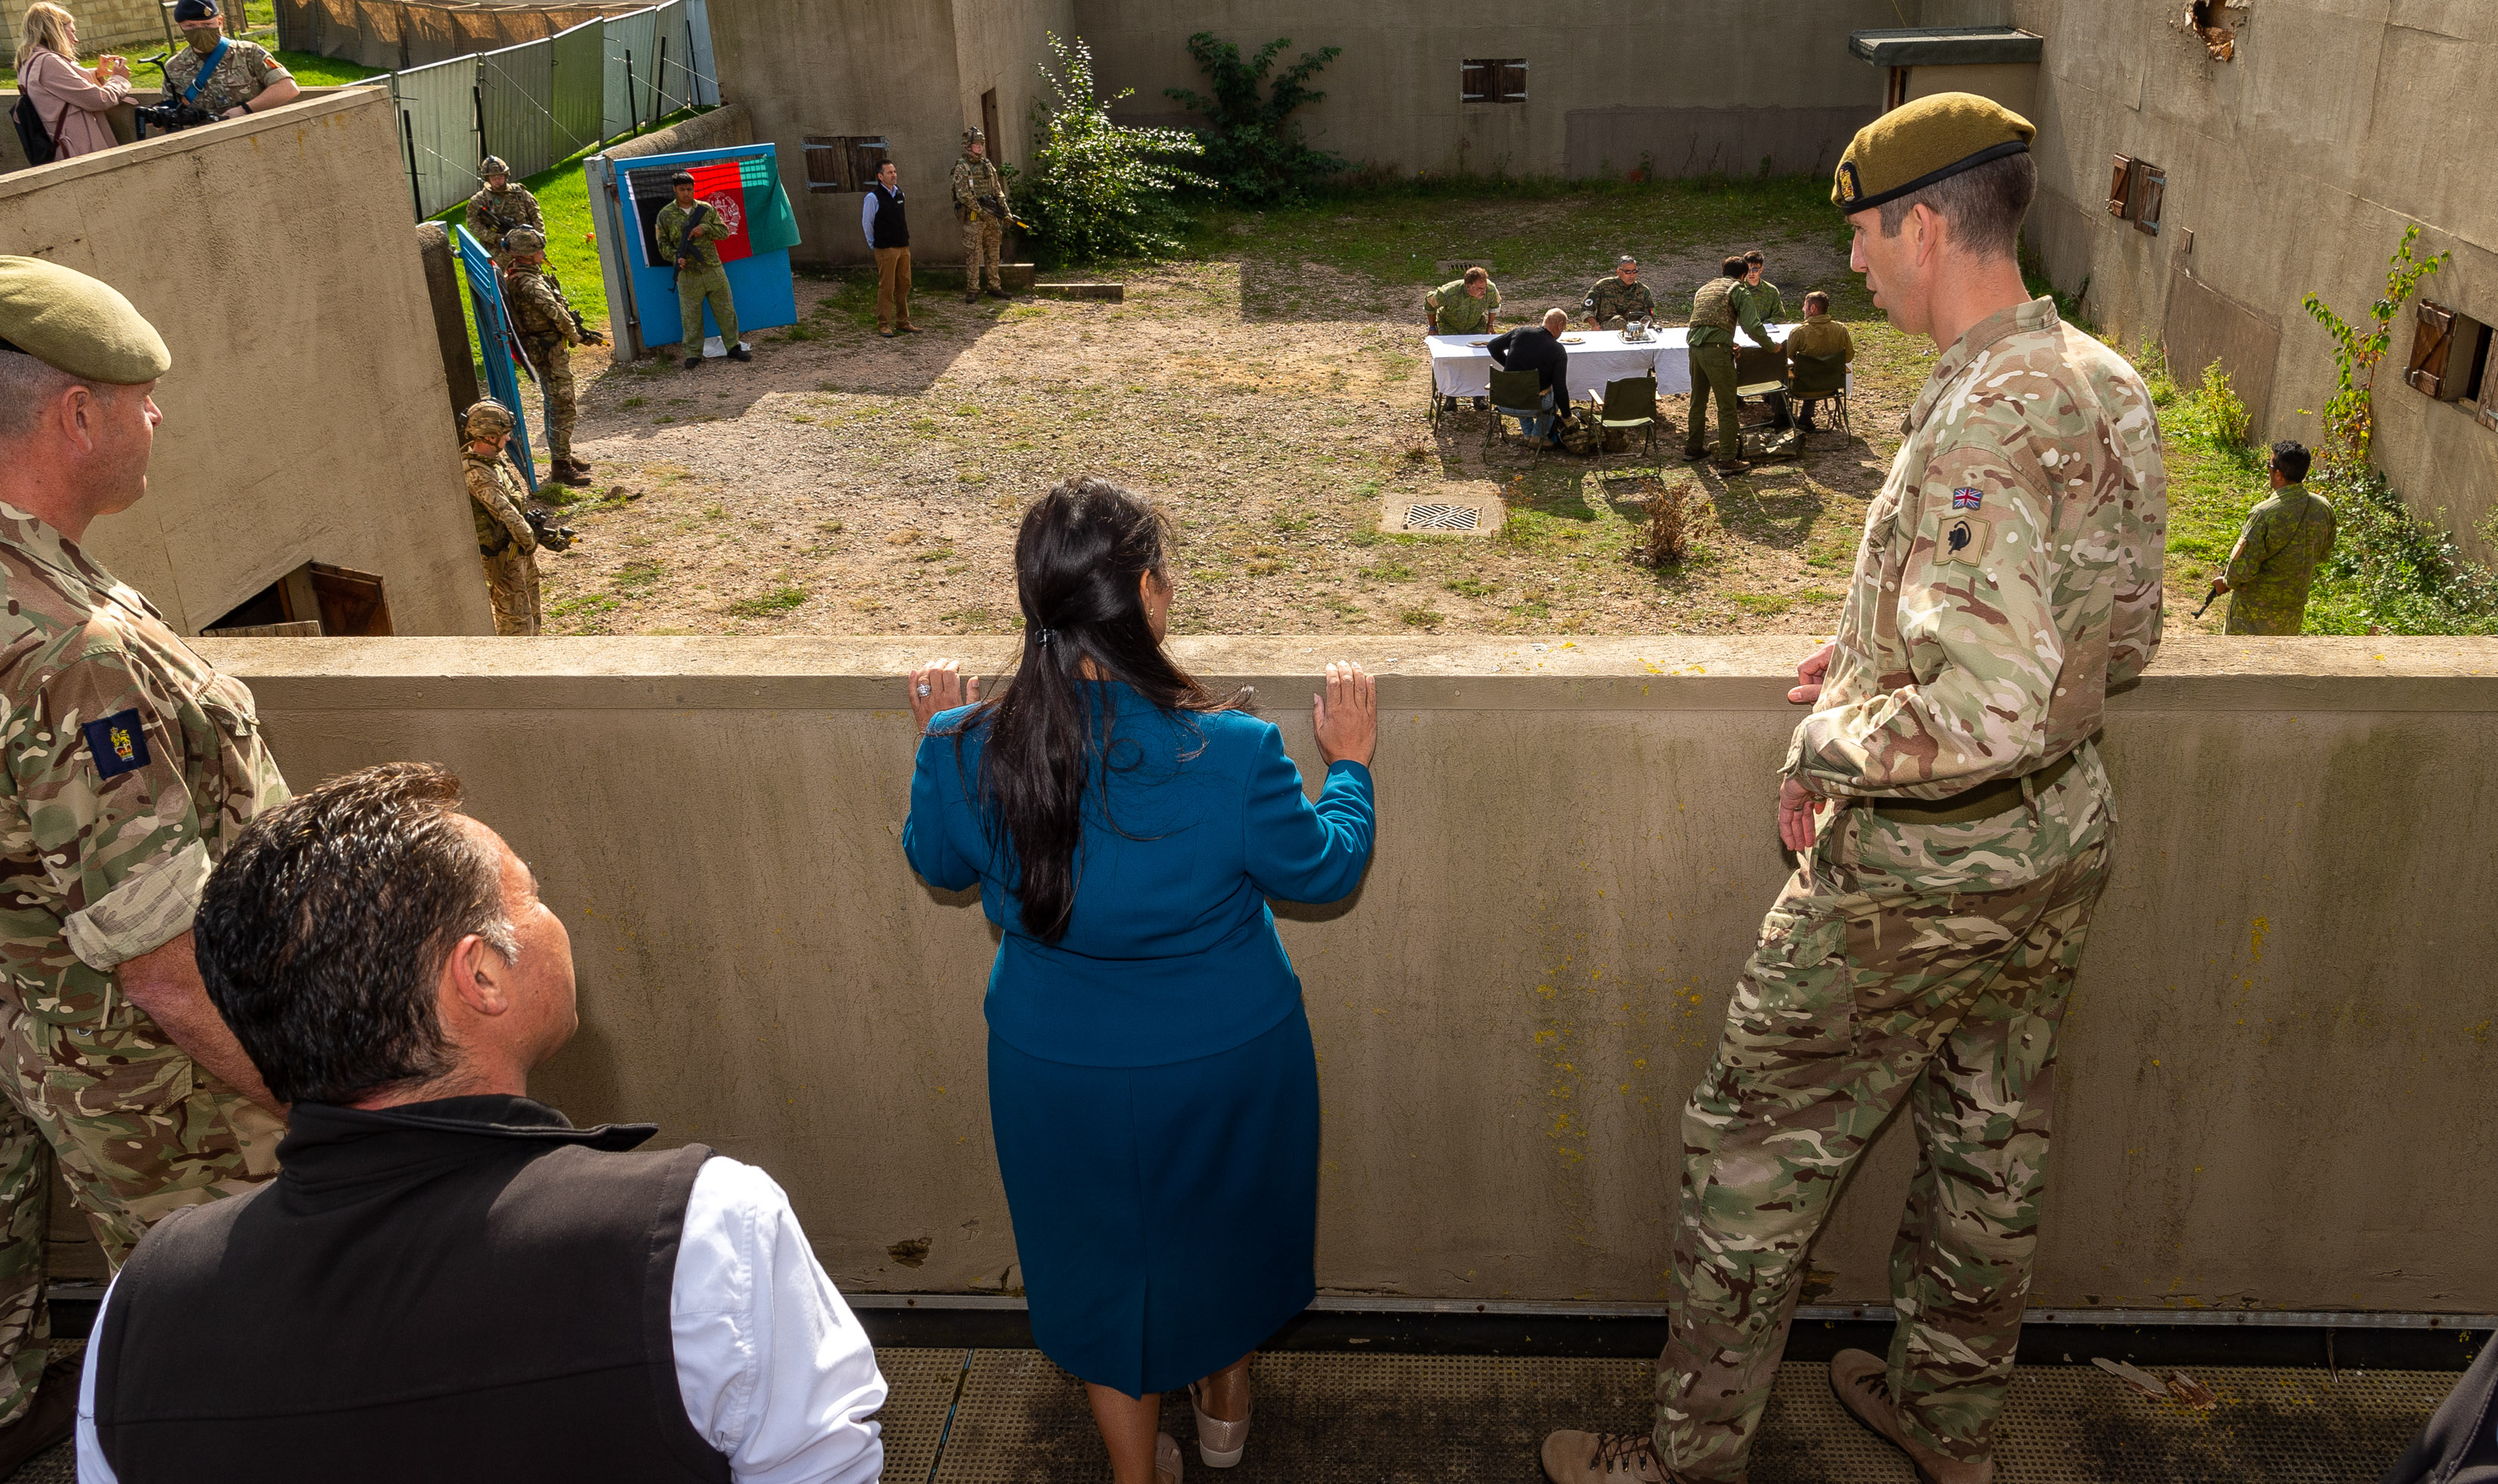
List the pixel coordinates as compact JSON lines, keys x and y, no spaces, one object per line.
{"x":1080,"y":559}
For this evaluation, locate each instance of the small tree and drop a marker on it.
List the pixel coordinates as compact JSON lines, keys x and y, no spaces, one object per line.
{"x":1098,"y":189}
{"x":1253,"y":149}
{"x":2349,"y":417}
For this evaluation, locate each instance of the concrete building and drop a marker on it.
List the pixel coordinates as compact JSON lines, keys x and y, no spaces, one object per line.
{"x":307,"y":469}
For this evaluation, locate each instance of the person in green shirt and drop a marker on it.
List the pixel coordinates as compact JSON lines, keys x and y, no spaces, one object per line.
{"x":1765,"y":295}
{"x":687,"y":230}
{"x":1717,"y":311}
{"x":1463,"y":306}
{"x":2274,"y":561}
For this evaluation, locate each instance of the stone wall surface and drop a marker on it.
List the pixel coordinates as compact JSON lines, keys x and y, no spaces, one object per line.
{"x":2265,"y":1100}
{"x":305,"y":415}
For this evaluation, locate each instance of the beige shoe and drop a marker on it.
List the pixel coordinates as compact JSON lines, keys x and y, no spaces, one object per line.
{"x":1862,"y":1383}
{"x":1603,"y":1458}
{"x":1166,"y":1460}
{"x":1219,"y":1443}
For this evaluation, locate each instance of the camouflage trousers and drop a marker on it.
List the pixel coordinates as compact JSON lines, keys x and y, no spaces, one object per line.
{"x":554,"y":360}
{"x":984,"y":241}
{"x":1921,"y":964}
{"x":697,"y":285}
{"x":137,"y":1129}
{"x":512,"y":584}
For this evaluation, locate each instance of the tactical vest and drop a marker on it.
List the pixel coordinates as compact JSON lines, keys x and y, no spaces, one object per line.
{"x":1713,"y":306}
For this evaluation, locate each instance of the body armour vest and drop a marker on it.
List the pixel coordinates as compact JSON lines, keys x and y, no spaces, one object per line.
{"x":893,"y":228}
{"x":465,"y":1289}
{"x":1713,"y":306}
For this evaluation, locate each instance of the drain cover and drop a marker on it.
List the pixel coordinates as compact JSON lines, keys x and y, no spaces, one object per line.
{"x":1441,"y":518}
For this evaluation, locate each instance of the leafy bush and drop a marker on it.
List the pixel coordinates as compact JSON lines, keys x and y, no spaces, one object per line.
{"x":2230,"y":423}
{"x":2350,"y":417}
{"x":1098,"y":189}
{"x":1253,"y":149}
{"x":2392,"y":572}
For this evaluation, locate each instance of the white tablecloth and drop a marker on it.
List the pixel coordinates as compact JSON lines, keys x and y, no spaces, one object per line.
{"x":1461,"y":368}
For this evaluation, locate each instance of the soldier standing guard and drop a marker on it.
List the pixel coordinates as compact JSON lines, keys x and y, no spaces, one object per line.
{"x":132,"y":766}
{"x":547,"y":329}
{"x":980,"y":205}
{"x":2274,"y":562}
{"x":500,"y":206}
{"x":689,"y":231}
{"x":1952,"y":819}
{"x":504,"y":537}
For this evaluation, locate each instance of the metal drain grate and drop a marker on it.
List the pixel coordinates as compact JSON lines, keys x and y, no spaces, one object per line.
{"x":1441,"y":518}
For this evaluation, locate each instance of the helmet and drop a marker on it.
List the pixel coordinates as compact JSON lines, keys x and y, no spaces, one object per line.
{"x":972,"y":137}
{"x":488,"y":418}
{"x":493,"y":165}
{"x":525,"y":240}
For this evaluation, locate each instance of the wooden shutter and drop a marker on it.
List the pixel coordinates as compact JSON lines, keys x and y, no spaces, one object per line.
{"x":1476,"y":82}
{"x":2488,"y":411}
{"x":866,"y":158}
{"x":2147,"y":198}
{"x":1512,"y":80}
{"x":2432,"y":339}
{"x":351,"y":601}
{"x":2121,"y":186}
{"x":823,"y":163}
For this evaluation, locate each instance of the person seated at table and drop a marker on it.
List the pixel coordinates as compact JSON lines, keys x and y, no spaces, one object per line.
{"x":1820,"y":337}
{"x":1463,"y":306}
{"x":1617,"y":300}
{"x":1539,"y":349}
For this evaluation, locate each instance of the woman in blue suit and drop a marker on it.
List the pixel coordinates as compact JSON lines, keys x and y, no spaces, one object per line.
{"x":1152,"y":1086}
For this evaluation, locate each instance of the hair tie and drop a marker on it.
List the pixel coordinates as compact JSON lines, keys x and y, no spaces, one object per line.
{"x":1045,"y":636}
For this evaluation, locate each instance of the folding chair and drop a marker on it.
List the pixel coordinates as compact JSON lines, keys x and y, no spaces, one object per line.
{"x":1822,"y":379}
{"x":1758,"y":372}
{"x":1629,"y":403}
{"x":1519,"y":394}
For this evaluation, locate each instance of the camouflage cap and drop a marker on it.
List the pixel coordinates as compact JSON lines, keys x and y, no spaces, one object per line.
{"x":76,"y":324}
{"x":493,"y":165}
{"x":1918,"y":144}
{"x":973,"y":136}
{"x":525,"y":240}
{"x":488,"y":418}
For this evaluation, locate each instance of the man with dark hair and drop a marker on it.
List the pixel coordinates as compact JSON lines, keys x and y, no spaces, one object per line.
{"x":449,"y":1280}
{"x":1819,"y":338}
{"x":225,"y":77}
{"x":1766,"y":303}
{"x":1717,"y":311}
{"x":689,"y":233}
{"x":1951,"y":816}
{"x":1538,"y":348}
{"x":887,"y":229}
{"x":2274,"y":562}
{"x":131,"y":765}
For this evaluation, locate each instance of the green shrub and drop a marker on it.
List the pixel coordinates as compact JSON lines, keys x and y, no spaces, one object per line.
{"x":1253,"y":149}
{"x":1097,"y":189}
{"x":2394,"y":572}
{"x":2229,"y":422}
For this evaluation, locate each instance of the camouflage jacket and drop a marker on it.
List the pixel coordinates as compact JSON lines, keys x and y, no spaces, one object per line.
{"x":973,"y":180}
{"x":1611,"y":297}
{"x":671,"y":231}
{"x":491,"y":213}
{"x":132,"y":766}
{"x":1767,"y":301}
{"x":1821,"y":336}
{"x":495,"y":499}
{"x":2010,"y":572}
{"x":246,"y":69}
{"x":1460,"y":313}
{"x":2274,"y":561}
{"x":1718,"y":308}
{"x":539,"y":311}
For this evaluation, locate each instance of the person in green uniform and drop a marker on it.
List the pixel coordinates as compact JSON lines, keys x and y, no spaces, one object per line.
{"x":2274,"y":561}
{"x":1765,"y":299}
{"x":1618,"y":300}
{"x":687,"y":230}
{"x":1463,"y":306}
{"x":1717,"y":311}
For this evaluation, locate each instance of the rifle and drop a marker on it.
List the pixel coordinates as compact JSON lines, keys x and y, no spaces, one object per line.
{"x":2207,"y":599}
{"x":693,"y":219}
{"x":998,"y":208}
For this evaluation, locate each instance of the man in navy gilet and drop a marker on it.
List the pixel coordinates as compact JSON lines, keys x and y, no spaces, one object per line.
{"x":889,"y":235}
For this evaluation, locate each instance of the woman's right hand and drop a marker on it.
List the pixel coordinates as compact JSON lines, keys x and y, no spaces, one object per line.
{"x":1347,"y":717}
{"x":939,"y":686}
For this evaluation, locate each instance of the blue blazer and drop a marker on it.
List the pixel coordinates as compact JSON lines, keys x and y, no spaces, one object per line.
{"x":1170,"y":953}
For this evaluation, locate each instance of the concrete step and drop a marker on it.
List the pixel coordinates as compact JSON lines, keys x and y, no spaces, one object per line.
{"x":1114,"y":292}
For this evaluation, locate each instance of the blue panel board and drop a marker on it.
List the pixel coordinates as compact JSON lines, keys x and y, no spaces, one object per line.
{"x":761,"y":284}
{"x":497,"y":345}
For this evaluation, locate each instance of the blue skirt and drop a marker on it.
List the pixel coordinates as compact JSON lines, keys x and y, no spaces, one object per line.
{"x":1165,"y":1217}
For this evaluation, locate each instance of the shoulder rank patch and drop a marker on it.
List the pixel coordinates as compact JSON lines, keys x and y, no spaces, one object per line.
{"x":117,"y":742}
{"x":1964,"y":539}
{"x":1966,"y":500}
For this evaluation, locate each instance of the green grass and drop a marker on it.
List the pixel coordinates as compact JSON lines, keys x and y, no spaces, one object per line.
{"x":779,"y":600}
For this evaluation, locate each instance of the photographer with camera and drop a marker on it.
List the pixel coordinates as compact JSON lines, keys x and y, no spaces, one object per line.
{"x":507,"y":539}
{"x":220,"y":77}
{"x":67,"y":102}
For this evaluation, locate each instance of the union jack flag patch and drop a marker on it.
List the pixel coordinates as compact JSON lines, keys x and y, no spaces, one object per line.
{"x":1966,"y":500}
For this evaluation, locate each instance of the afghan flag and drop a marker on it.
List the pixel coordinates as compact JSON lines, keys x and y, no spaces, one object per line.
{"x":743,"y":190}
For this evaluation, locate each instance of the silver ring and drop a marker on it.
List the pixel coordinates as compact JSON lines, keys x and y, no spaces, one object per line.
{"x":924,"y":688}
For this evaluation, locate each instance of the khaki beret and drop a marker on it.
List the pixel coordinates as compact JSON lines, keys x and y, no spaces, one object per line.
{"x":486,"y":419}
{"x":76,"y":324}
{"x":1918,"y":144}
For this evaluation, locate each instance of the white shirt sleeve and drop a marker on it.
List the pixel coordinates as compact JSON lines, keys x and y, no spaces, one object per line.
{"x":91,"y":1467}
{"x":774,"y":1368}
{"x":867,"y":220}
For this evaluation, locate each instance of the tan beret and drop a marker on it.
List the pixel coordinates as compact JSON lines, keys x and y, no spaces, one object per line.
{"x":1918,"y":144}
{"x":77,"y":323}
{"x":486,"y":418}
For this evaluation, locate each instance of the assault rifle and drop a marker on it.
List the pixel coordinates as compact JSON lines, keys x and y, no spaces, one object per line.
{"x":998,"y":208}
{"x":2207,"y":599}
{"x":693,"y":219}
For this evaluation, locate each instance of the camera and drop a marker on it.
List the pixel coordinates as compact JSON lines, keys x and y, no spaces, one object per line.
{"x":169,"y":115}
{"x":552,"y":537}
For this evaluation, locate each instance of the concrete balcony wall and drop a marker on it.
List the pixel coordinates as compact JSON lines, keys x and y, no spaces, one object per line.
{"x":2275,"y":1075}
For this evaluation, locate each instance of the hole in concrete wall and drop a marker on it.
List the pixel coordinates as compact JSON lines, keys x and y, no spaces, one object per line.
{"x":2216,"y":23}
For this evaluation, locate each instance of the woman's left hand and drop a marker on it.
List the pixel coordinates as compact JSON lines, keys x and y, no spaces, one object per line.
{"x":940,"y":686}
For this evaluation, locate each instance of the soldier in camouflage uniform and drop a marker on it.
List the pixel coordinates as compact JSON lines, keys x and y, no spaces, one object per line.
{"x":1717,"y":311}
{"x":2274,"y":562}
{"x":246,"y":79}
{"x":1619,"y":299}
{"x":547,"y":329}
{"x":500,"y":207}
{"x":130,"y":766}
{"x":687,"y":232}
{"x":1952,"y":818}
{"x":504,"y":538}
{"x":980,"y":205}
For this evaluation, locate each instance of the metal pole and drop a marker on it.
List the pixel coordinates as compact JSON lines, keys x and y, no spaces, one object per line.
{"x":632,"y":111}
{"x":407,"y":135}
{"x":660,"y":83}
{"x":477,"y":101}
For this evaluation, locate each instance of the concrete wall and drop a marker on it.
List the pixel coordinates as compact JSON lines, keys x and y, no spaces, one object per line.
{"x":1697,"y":88}
{"x":305,"y":417}
{"x":2268,"y":1080}
{"x":2296,"y":168}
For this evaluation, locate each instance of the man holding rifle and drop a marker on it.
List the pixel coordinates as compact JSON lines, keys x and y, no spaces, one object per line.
{"x":980,"y":205}
{"x":687,"y":230}
{"x":549,"y":329}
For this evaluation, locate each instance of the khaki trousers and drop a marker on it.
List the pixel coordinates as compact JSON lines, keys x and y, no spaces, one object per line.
{"x":892,"y":287}
{"x":1712,"y":377}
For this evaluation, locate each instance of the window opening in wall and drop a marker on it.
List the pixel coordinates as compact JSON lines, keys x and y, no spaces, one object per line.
{"x":989,"y":125}
{"x":2487,"y":410}
{"x":1494,"y":79}
{"x":314,"y":600}
{"x":842,"y":162}
{"x":2137,"y":191}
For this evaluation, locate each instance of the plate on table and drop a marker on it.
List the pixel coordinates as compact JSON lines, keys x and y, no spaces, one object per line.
{"x":1574,"y":339}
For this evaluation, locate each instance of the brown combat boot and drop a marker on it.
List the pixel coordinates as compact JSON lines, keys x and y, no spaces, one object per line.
{"x":1730,"y":466}
{"x":49,"y":1420}
{"x":1862,"y":1381}
{"x":1603,"y":1458}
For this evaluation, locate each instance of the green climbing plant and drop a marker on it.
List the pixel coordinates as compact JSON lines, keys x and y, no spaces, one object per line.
{"x":2350,"y":417}
{"x":1253,"y":149}
{"x":1098,"y":189}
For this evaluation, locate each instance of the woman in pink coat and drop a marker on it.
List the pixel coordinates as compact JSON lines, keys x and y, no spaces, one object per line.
{"x":68,"y":99}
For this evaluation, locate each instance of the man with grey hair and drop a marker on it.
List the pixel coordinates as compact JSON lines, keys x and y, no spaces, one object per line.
{"x":132,"y":765}
{"x":1619,"y":299}
{"x":450,"y":1281}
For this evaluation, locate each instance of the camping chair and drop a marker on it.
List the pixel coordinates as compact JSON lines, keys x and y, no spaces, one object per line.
{"x":1822,"y":379}
{"x":1631,"y":402}
{"x":1758,"y":372}
{"x":1519,"y":394}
